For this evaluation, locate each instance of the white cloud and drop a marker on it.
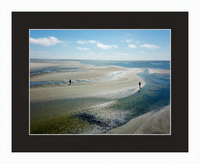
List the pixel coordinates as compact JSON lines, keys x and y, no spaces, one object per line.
{"x":65,"y":43}
{"x":82,"y":48}
{"x":138,"y":42}
{"x":153,"y":46}
{"x":102,"y":46}
{"x":128,"y":34}
{"x":115,"y":46}
{"x":129,"y":40}
{"x":45,"y":41}
{"x":132,"y":46}
{"x":80,"y":42}
{"x":88,"y":41}
{"x":92,"y":41}
{"x":106,"y":47}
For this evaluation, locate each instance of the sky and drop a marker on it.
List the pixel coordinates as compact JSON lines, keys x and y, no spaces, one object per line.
{"x":100,"y":44}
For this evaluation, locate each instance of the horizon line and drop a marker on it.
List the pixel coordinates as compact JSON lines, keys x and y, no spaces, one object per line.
{"x":102,"y":59}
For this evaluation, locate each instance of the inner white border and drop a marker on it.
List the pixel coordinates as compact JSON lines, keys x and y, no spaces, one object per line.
{"x":134,"y":93}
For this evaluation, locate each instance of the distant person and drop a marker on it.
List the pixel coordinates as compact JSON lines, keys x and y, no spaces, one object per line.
{"x":70,"y":81}
{"x":140,"y":85}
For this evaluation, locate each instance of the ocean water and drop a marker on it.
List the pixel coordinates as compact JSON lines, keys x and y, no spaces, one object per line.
{"x":103,"y":63}
{"x":99,"y":115}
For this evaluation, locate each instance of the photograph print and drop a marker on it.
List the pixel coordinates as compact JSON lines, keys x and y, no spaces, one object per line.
{"x":100,"y":82}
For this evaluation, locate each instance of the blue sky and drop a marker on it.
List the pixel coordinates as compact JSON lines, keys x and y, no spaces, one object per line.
{"x":100,"y":44}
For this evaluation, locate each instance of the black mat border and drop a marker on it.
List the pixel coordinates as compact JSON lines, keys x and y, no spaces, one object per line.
{"x":23,"y":21}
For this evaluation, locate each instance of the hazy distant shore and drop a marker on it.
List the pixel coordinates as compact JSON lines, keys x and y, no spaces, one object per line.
{"x":34,"y":65}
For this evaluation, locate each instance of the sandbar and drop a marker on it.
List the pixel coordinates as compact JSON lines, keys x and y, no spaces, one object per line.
{"x":119,"y":87}
{"x":82,"y":73}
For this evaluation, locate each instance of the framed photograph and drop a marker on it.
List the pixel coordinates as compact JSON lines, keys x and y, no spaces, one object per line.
{"x":100,"y":81}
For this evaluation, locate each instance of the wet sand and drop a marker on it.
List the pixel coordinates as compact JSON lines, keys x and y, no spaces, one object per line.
{"x":118,"y":87}
{"x":155,"y":122}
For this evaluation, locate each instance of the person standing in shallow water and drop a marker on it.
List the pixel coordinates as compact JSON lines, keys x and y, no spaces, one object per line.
{"x":140,"y":85}
{"x":70,"y":81}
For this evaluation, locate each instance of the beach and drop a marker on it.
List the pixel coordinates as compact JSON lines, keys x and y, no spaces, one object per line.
{"x":102,"y":98}
{"x":128,"y":81}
